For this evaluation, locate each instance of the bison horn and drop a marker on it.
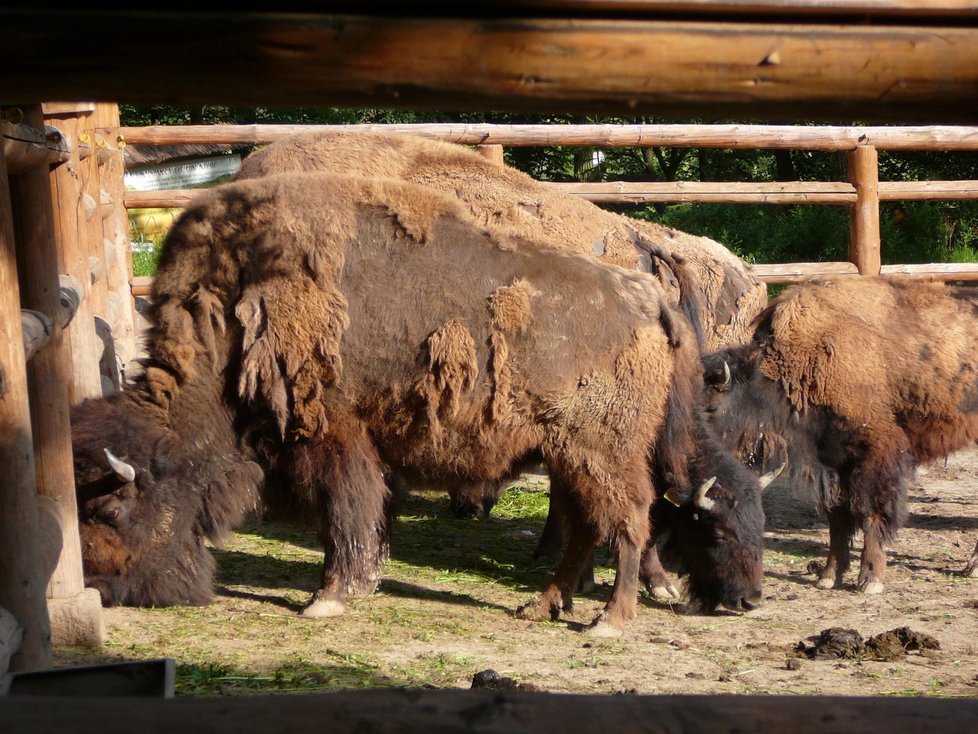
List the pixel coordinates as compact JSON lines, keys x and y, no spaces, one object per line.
{"x":726,"y":375}
{"x":124,"y":471}
{"x":701,"y":500}
{"x":771,"y":476}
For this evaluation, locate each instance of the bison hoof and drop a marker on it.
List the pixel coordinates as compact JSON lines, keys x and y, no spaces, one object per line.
{"x":971,"y":571}
{"x":538,"y":610}
{"x":664,"y":593}
{"x":320,"y":608}
{"x":826,"y":583}
{"x":586,"y":586}
{"x":602,"y":627}
{"x":871,"y":587}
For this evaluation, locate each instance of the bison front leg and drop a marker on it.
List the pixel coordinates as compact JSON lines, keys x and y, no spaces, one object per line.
{"x":558,"y":596}
{"x":872,"y":562}
{"x":623,"y":604}
{"x":840,"y":536}
{"x":654,"y":577}
{"x":346,"y":480}
{"x":554,"y":535}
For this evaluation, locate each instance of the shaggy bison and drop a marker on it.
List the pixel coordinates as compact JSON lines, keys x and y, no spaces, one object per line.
{"x":718,"y":291}
{"x":860,"y":380}
{"x":312,"y":334}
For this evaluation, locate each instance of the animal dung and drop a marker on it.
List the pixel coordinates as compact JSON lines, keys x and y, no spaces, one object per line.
{"x":839,"y":642}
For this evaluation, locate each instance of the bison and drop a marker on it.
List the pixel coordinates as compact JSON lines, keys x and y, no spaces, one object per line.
{"x":714,"y":288}
{"x":719,"y":292}
{"x":859,"y":380}
{"x":314,"y":334}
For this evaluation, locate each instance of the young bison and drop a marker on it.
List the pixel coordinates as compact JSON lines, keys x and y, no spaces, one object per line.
{"x":314,"y":333}
{"x":861,"y":380}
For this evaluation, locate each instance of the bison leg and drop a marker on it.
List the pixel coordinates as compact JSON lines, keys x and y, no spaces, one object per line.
{"x":555,"y":528}
{"x":654,"y":576}
{"x":346,"y":479}
{"x":558,"y":595}
{"x":554,"y":534}
{"x":840,"y":535}
{"x":622,"y":605}
{"x":872,"y":563}
{"x":971,"y":570}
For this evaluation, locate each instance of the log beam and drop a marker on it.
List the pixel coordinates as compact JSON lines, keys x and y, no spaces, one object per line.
{"x":27,"y":147}
{"x":423,"y":711}
{"x":740,"y":137}
{"x":766,"y":192}
{"x":22,"y":577}
{"x":70,"y":220}
{"x":864,"y":217}
{"x":49,"y":379}
{"x":747,"y":69}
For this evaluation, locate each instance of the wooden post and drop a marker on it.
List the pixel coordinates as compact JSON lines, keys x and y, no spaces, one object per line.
{"x":492,"y":152}
{"x":70,"y":223}
{"x":75,"y":611}
{"x":864,"y":217}
{"x":120,"y":307}
{"x":22,"y":577}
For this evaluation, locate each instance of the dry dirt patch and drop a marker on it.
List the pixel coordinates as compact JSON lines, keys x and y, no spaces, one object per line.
{"x":444,"y":612}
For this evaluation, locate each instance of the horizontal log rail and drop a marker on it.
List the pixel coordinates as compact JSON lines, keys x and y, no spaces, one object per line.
{"x":863,"y":192}
{"x":743,"y":137}
{"x":716,"y":192}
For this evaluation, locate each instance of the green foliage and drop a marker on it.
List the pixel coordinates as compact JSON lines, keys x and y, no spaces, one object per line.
{"x":146,"y":256}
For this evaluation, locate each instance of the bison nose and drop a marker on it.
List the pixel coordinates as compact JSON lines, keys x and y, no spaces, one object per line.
{"x":748,"y":605}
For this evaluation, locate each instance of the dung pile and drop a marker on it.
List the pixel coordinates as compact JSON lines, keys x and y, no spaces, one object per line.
{"x":839,"y":642}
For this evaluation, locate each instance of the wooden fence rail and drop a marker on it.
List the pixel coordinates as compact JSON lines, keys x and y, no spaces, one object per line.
{"x":862,"y":193}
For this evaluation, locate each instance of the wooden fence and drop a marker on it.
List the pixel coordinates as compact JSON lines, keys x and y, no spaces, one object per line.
{"x":862,"y":193}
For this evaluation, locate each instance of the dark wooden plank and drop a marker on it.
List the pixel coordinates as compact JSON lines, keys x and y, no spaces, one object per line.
{"x":443,"y":711}
{"x":667,"y":68}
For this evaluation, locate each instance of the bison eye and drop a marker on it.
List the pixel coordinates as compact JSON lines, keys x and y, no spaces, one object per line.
{"x":109,"y":514}
{"x":722,"y":536}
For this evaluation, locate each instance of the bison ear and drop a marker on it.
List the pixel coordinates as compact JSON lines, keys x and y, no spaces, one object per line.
{"x":671,"y":497}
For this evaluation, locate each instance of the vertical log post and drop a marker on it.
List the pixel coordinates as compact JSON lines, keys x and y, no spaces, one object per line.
{"x":492,"y":152}
{"x":864,"y":217}
{"x":121,"y":307}
{"x":22,"y":577}
{"x":76,"y":612}
{"x":70,"y":223}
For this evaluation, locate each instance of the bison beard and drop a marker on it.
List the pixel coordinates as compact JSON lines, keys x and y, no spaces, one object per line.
{"x":861,"y":380}
{"x":334,"y":329}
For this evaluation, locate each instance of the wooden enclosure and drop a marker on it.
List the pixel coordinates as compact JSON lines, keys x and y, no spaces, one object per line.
{"x":862,"y":193}
{"x":62,"y":212}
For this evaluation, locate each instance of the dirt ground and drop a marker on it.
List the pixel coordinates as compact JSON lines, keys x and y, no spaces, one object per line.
{"x":444,"y":612}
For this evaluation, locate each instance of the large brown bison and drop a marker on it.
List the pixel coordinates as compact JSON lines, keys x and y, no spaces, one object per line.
{"x":718,"y":290}
{"x":314,"y":333}
{"x":861,"y":380}
{"x":712,"y":286}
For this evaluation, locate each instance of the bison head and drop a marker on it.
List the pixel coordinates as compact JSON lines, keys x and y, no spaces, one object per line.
{"x":146,"y":505}
{"x":716,"y":535}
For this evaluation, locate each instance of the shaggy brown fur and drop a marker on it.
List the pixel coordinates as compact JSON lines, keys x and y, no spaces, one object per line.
{"x":721,"y":289}
{"x":864,"y":378}
{"x":357,"y":326}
